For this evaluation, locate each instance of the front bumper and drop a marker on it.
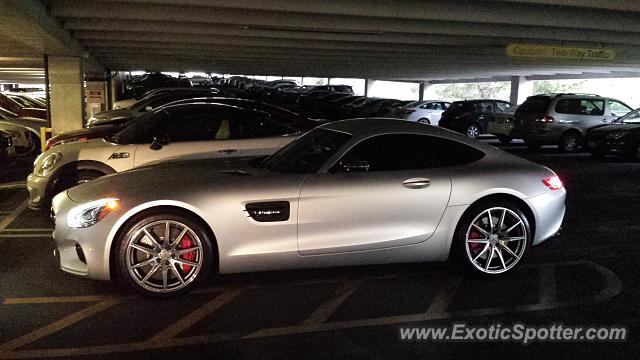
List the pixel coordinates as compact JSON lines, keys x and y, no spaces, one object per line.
{"x":83,"y":251}
{"x":37,"y":187}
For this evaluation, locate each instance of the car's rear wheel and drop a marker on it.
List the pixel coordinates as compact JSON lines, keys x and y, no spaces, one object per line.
{"x":164,"y":255}
{"x":424,"y":121}
{"x":571,"y":141}
{"x":492,"y":238}
{"x":473,"y":131}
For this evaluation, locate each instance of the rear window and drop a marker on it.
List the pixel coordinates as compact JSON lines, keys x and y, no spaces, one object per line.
{"x":536,"y":104}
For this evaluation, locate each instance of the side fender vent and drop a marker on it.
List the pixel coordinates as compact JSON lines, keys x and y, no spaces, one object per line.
{"x":268,"y":211}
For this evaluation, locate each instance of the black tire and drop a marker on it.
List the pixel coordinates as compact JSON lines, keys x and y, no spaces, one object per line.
{"x":570,"y":142}
{"x":206,"y":256}
{"x":504,"y":139}
{"x":462,"y":251}
{"x":424,"y":121}
{"x":473,"y":131}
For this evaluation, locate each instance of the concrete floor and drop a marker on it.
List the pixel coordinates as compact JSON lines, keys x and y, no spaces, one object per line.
{"x":587,"y":276}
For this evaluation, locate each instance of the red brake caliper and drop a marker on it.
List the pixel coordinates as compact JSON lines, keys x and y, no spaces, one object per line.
{"x":186,"y":243}
{"x":475,"y":246}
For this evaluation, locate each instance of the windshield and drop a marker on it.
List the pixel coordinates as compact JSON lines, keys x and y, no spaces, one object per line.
{"x":307,"y":154}
{"x":631,"y":118}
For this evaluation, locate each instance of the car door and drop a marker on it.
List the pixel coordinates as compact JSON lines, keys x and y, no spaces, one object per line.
{"x":190,"y":132}
{"x":383,"y":193}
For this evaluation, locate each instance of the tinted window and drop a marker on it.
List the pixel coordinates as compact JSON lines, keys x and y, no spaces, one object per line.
{"x":197,"y":124}
{"x":535,"y":104}
{"x":631,"y":118}
{"x":307,"y":154}
{"x":408,"y":151}
{"x":255,"y":124}
{"x":460,"y":107}
{"x":617,"y":108}
{"x":580,"y":107}
{"x":502,"y":106}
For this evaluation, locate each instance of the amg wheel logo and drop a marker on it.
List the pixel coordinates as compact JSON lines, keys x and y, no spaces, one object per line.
{"x":119,"y":155}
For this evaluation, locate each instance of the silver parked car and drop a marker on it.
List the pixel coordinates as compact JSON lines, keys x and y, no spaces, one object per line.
{"x":563,"y":119}
{"x":363,"y":191}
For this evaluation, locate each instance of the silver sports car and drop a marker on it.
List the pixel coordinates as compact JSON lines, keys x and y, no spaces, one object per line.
{"x":363,"y":191}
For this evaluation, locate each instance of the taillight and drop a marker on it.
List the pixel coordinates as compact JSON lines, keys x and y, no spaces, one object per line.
{"x":544,"y":119}
{"x":553,"y":182}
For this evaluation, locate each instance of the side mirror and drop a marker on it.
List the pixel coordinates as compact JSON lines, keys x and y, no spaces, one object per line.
{"x":159,"y":142}
{"x":354,"y":166}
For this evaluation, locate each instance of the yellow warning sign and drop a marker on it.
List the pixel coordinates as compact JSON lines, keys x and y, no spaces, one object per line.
{"x":560,"y":52}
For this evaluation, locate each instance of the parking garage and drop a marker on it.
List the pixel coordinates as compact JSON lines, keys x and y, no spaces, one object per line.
{"x":83,"y":72}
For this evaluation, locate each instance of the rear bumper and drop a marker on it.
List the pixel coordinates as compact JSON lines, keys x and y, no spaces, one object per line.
{"x":549,"y":209}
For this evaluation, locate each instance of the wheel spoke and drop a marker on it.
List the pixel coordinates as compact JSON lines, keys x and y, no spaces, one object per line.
{"x":513,"y":227}
{"x":145,"y":250}
{"x":143,"y":263}
{"x":504,"y":213}
{"x":177,"y":273}
{"x":504,"y":266}
{"x":490,"y":220}
{"x":481,"y":252}
{"x":516,"y":238}
{"x":152,"y":238}
{"x":180,"y":236}
{"x":186,"y":262}
{"x":185,"y":251}
{"x":483,"y":231}
{"x":150,"y":273}
{"x":479,"y":241}
{"x":489,"y":258}
{"x":167,"y":233}
{"x":509,"y":251}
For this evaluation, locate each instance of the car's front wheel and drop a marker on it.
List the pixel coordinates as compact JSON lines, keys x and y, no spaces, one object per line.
{"x":164,"y":254}
{"x":424,"y":121}
{"x":492,"y":239}
{"x":571,"y":141}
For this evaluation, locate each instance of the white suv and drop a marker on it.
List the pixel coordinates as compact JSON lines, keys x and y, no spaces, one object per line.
{"x":183,"y":131}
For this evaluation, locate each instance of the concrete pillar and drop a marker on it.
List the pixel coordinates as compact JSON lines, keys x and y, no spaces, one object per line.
{"x":368,"y":86}
{"x":521,"y":88}
{"x":66,"y":93}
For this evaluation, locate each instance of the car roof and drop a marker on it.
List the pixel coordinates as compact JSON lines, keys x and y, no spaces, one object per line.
{"x":373,"y":126}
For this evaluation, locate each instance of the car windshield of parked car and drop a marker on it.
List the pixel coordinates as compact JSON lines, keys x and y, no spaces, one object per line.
{"x":631,"y":118}
{"x":307,"y":154}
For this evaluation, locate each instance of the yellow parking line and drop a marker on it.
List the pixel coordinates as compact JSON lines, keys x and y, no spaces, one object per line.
{"x":322,"y":313}
{"x":57,"y":325}
{"x":195,"y":316}
{"x":55,"y":299}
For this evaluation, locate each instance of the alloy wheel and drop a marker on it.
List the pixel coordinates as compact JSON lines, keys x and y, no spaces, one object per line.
{"x":473,"y":131}
{"x":495,"y":240}
{"x":164,"y":256}
{"x":570,"y":142}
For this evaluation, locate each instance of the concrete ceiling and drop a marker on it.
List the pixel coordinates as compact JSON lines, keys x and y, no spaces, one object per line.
{"x":432,"y":40}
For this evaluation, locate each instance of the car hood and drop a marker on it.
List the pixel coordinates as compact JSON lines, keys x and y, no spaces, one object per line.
{"x":601,"y":129}
{"x":105,"y":116}
{"x":177,"y":175}
{"x":34,"y":124}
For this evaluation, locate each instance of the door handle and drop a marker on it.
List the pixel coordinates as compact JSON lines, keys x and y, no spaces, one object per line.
{"x":416,"y":183}
{"x":228,"y":151}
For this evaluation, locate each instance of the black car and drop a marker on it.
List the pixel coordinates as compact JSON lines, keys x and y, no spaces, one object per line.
{"x":7,"y":151}
{"x":621,"y":137}
{"x":471,"y":117}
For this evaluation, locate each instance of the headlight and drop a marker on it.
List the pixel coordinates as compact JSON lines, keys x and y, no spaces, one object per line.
{"x":85,"y":215}
{"x":616,"y":135}
{"x":48,"y":163}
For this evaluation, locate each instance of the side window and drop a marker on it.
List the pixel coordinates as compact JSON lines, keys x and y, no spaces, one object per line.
{"x":192,"y":124}
{"x":580,"y":107}
{"x":502,"y":106}
{"x":256,"y":124}
{"x":617,"y":108}
{"x":398,"y":152}
{"x":445,"y":105}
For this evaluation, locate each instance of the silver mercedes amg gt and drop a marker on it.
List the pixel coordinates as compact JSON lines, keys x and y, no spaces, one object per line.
{"x":362,"y":191}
